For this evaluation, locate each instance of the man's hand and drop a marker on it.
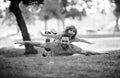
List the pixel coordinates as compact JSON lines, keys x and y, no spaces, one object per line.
{"x":92,"y":53}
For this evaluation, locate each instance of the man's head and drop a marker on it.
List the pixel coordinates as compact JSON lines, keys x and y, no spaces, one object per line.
{"x":64,"y":42}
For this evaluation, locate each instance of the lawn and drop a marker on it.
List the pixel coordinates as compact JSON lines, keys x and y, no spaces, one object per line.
{"x":13,"y":64}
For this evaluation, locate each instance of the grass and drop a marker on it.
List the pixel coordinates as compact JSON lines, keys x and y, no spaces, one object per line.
{"x":13,"y":64}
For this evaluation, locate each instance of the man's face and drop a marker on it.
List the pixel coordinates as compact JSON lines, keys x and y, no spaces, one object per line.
{"x":64,"y":42}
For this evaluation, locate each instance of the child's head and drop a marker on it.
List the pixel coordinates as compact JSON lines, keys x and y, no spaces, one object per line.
{"x":71,"y":31}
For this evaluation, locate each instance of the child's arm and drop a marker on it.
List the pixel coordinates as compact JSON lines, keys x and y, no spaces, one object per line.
{"x":38,"y":44}
{"x":83,"y":40}
{"x":85,"y":52}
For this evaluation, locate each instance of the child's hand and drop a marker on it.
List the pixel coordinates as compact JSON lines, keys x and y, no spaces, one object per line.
{"x":47,"y":32}
{"x":21,"y":43}
{"x":91,"y":43}
{"x":41,"y":33}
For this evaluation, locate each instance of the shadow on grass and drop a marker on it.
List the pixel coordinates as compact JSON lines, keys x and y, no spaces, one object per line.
{"x":11,"y":52}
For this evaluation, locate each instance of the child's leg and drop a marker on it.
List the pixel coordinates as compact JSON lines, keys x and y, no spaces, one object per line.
{"x":45,"y":53}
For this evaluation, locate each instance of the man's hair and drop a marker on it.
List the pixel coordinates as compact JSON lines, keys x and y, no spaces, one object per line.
{"x":69,"y":28}
{"x":64,"y":35}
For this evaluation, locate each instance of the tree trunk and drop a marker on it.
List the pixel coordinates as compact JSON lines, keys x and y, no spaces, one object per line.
{"x":46,"y":20}
{"x":29,"y":49}
{"x":63,"y":22}
{"x":45,"y":25}
{"x":116,"y":29}
{"x":58,"y":24}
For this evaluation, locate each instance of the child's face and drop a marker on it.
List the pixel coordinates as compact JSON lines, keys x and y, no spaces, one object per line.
{"x":71,"y":32}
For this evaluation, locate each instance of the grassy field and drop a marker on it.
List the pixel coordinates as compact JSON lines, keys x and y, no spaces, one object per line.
{"x":13,"y":64}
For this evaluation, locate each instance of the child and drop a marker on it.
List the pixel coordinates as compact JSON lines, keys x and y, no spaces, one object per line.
{"x":47,"y":50}
{"x":71,"y":31}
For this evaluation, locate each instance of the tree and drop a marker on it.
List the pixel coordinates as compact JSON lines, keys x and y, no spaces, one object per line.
{"x":52,"y":9}
{"x":117,"y":15}
{"x":15,"y":9}
{"x":44,"y":14}
{"x":9,"y":17}
{"x":73,"y":12}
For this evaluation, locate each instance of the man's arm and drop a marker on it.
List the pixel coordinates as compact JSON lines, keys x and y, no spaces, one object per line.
{"x":38,"y":44}
{"x":85,"y":52}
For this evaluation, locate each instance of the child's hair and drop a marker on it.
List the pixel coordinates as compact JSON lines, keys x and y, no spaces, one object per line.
{"x":69,"y":28}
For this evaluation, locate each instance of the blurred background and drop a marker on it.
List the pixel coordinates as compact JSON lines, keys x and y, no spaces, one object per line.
{"x":95,"y":20}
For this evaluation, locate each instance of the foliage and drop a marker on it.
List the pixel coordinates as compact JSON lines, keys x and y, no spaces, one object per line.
{"x":117,"y":9}
{"x":28,"y":2}
{"x":37,"y":2}
{"x":9,"y":18}
{"x":51,"y":9}
{"x":73,"y":12}
{"x":28,"y":16}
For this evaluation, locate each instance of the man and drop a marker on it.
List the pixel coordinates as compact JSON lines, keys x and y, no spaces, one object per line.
{"x":62,"y":48}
